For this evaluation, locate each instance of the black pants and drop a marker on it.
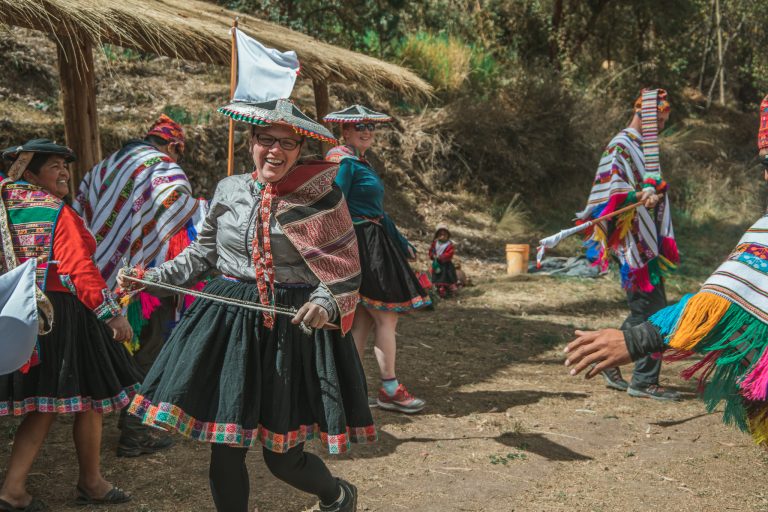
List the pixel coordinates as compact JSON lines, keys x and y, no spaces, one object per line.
{"x":228,"y":475}
{"x":641,"y":306}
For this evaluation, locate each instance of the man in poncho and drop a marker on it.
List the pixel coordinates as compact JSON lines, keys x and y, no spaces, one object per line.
{"x":726,"y":322}
{"x":138,"y":203}
{"x":642,"y":238}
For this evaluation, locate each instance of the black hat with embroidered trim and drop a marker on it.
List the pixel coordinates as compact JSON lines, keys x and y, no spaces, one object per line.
{"x":357,"y":114}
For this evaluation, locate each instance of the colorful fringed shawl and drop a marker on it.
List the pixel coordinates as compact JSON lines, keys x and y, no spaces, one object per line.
{"x":643,"y":240}
{"x":27,"y":223}
{"x":727,"y":322}
{"x":315,"y":218}
{"x":31,"y":220}
{"x":134,"y":202}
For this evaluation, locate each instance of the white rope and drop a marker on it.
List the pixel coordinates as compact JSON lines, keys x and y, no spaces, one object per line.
{"x":279,"y":310}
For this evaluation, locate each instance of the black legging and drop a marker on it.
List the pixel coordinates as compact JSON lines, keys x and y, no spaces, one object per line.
{"x":228,"y":475}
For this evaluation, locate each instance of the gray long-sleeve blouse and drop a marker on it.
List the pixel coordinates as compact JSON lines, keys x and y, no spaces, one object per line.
{"x":224,"y":246}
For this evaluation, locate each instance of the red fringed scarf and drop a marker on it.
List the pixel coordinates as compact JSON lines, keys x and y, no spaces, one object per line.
{"x":314,"y":217}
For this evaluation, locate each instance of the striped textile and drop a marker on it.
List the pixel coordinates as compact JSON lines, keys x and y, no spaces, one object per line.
{"x":620,"y":174}
{"x":133,"y":202}
{"x":650,"y":128}
{"x":314,"y":216}
{"x":743,"y":277}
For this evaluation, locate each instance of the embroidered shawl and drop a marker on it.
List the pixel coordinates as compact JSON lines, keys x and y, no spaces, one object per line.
{"x":314,"y":216}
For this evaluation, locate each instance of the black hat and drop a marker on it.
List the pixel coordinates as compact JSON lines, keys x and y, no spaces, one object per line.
{"x":39,"y":146}
{"x":22,"y":155}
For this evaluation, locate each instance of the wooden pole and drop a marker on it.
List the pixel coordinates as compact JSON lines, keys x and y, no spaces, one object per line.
{"x":718,"y":20}
{"x":322,"y":104}
{"x":78,"y":92}
{"x":232,"y":85}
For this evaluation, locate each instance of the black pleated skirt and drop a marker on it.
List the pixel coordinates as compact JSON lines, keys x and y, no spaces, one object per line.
{"x":223,"y":377}
{"x":388,"y":282}
{"x":81,"y":367}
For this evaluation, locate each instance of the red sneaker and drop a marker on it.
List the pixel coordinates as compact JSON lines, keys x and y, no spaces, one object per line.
{"x":401,"y":401}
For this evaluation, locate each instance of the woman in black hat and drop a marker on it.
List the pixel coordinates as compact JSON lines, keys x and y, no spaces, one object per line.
{"x":80,"y":367}
{"x":389,"y":286}
{"x":239,"y":378}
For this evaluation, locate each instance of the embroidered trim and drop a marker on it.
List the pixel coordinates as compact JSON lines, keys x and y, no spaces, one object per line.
{"x":66,"y":280}
{"x":167,"y":415}
{"x":400,"y":307}
{"x":109,"y":308}
{"x":68,"y":405}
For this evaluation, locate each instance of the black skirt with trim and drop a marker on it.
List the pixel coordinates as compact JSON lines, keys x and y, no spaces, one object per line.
{"x":223,"y":377}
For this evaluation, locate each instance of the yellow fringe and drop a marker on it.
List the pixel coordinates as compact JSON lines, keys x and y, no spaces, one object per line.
{"x":624,"y":223}
{"x":759,"y":430}
{"x":701,"y":315}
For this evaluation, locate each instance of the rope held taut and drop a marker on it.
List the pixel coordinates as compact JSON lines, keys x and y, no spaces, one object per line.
{"x":279,"y":310}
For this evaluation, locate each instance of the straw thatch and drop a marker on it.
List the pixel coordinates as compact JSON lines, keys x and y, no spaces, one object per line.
{"x":199,"y":31}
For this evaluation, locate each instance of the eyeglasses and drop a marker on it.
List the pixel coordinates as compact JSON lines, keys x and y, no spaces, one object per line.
{"x":361,"y":127}
{"x":268,"y":141}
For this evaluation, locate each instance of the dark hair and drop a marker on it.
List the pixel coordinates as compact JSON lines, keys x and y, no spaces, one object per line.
{"x":37,"y":162}
{"x":156,"y":141}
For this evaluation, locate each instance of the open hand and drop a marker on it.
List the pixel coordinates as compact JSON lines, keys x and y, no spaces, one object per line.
{"x":605,"y":348}
{"x":312,"y":315}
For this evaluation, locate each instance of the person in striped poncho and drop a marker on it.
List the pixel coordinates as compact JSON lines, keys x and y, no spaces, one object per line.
{"x":642,"y":238}
{"x":726,"y":323}
{"x":138,"y":204}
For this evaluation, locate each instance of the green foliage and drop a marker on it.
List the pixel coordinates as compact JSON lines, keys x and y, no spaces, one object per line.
{"x":444,"y":61}
{"x":183,"y":116}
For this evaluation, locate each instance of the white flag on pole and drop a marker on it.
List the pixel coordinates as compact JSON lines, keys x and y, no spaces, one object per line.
{"x":263,"y":74}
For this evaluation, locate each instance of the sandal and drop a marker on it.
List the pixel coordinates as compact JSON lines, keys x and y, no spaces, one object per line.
{"x":36,"y":505}
{"x":113,"y":497}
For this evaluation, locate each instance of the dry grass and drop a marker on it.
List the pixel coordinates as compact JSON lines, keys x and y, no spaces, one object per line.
{"x":198,"y":31}
{"x":444,"y":61}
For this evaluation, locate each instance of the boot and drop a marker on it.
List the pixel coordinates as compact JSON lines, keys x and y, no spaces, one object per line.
{"x":138,"y":439}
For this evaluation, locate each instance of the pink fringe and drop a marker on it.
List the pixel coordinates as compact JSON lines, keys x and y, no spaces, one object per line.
{"x":188,"y":299}
{"x":755,"y":384}
{"x":707,"y":364}
{"x":149,"y":303}
{"x":614,"y":202}
{"x":669,"y":249}
{"x":639,"y":279}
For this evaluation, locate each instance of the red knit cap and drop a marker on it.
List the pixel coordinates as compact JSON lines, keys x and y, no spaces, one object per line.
{"x":762,"y":134}
{"x":167,"y":129}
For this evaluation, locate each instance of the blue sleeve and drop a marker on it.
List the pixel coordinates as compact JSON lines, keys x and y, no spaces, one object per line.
{"x":392,"y":231}
{"x":345,"y":175}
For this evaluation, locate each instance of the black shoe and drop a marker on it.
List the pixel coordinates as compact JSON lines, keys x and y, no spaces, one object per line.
{"x":654,"y":391}
{"x":614,"y":380}
{"x":348,"y":504}
{"x":147,"y":444}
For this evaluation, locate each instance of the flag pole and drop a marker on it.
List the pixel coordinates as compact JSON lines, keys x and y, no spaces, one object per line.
{"x":232,"y":84}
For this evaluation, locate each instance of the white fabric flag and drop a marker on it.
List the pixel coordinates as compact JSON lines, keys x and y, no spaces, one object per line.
{"x":18,"y":316}
{"x":263,"y":74}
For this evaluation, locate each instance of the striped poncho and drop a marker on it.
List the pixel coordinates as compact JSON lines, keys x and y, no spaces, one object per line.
{"x":727,"y":322}
{"x":134,"y":202}
{"x":643,"y":240}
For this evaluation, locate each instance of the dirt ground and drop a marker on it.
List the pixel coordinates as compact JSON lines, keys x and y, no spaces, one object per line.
{"x":506,"y":428}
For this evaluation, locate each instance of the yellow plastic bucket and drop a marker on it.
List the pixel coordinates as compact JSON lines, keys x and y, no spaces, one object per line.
{"x":517,"y":259}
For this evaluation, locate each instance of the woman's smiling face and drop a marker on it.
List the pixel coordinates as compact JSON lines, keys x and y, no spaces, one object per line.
{"x":271,"y":160}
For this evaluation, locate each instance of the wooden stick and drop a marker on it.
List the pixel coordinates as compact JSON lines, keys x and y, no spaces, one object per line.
{"x":232,"y":85}
{"x":616,"y":212}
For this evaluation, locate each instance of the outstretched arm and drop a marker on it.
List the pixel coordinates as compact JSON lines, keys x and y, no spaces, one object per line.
{"x":608,"y":348}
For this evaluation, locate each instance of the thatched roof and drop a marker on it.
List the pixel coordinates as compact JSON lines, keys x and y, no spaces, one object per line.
{"x":199,"y":31}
